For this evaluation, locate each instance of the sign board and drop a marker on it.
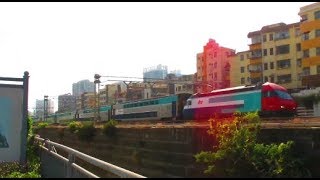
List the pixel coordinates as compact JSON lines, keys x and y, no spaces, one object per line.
{"x":11,"y":109}
{"x":13,"y":119}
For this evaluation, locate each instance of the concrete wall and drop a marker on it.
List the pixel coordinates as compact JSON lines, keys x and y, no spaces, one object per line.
{"x":169,"y":152}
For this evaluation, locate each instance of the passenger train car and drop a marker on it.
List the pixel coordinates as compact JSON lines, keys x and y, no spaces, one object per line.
{"x":88,"y":113}
{"x":266,"y":99}
{"x":159,"y":108}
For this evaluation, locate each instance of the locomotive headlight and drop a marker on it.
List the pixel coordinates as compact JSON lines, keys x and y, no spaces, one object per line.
{"x":282,"y":107}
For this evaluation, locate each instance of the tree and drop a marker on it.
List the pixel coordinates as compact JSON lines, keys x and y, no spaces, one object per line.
{"x":238,"y":154}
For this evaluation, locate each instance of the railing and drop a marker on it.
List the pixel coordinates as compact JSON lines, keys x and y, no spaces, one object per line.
{"x":303,"y":112}
{"x":72,"y":168}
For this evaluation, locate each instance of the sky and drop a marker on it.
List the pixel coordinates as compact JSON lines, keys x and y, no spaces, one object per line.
{"x":60,"y":43}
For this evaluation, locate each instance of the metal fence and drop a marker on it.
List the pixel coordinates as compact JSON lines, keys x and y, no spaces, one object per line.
{"x":54,"y":165}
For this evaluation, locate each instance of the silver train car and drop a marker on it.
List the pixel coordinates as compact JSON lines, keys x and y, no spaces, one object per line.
{"x":159,"y":108}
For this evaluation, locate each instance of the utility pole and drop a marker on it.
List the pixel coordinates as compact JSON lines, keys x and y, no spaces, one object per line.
{"x":96,"y":81}
{"x":45,"y":108}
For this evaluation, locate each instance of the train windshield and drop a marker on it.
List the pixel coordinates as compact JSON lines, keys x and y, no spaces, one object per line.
{"x":283,"y":95}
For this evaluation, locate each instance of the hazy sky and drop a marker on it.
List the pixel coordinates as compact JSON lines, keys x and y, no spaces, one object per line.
{"x":60,"y":43}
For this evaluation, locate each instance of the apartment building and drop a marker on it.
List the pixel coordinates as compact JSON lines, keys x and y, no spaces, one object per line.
{"x":310,"y":45}
{"x":239,"y":73}
{"x":213,"y":67}
{"x":276,"y":55}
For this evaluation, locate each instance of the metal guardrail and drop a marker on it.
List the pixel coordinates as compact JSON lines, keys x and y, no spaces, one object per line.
{"x":303,"y":112}
{"x":50,"y":147}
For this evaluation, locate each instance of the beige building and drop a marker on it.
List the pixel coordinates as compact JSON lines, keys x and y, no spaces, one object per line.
{"x":213,"y":67}
{"x":276,"y":55}
{"x":239,"y":73}
{"x":310,"y":45}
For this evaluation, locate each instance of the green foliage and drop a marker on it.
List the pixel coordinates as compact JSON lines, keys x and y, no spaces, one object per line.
{"x":237,"y":153}
{"x":86,"y":132}
{"x":42,"y":125}
{"x":74,"y":126}
{"x":109,"y":128}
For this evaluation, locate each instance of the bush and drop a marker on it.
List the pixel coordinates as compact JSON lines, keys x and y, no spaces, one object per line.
{"x":42,"y":125}
{"x":86,"y":132}
{"x":237,"y":153}
{"x":74,"y":126}
{"x":109,"y":128}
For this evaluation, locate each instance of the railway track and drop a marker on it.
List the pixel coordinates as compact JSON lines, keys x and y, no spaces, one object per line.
{"x":268,"y":122}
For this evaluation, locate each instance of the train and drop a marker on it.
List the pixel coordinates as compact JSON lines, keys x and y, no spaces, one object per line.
{"x":268,"y":99}
{"x":157,"y":108}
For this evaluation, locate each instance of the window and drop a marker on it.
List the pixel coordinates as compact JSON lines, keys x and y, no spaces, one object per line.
{"x":271,"y":51}
{"x":256,"y":54}
{"x":284,"y":78}
{"x":265,"y":52}
{"x":283,"y":95}
{"x":283,"y":64}
{"x":305,"y":36}
{"x":271,"y":65}
{"x":306,"y":71}
{"x":242,"y":80}
{"x":255,"y":80}
{"x":241,"y":57}
{"x":297,"y":32}
{"x":317,"y":15}
{"x":317,"y":32}
{"x":306,"y":53}
{"x":266,"y":79}
{"x":272,"y":79}
{"x":215,"y":65}
{"x":215,"y":54}
{"x":265,"y":66}
{"x":318,"y":51}
{"x":282,"y":35}
{"x":300,"y":76}
{"x":270,"y":37}
{"x":284,"y":49}
{"x":318,"y":69}
{"x":242,"y":69}
{"x":299,"y":62}
{"x":264,"y":38}
{"x":298,"y":46}
{"x":256,"y":39}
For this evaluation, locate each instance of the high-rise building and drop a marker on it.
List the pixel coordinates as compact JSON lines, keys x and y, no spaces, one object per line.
{"x":155,"y":73}
{"x":310,"y":44}
{"x":66,"y":103}
{"x":82,"y":87}
{"x":213,"y":67}
{"x":39,"y":111}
